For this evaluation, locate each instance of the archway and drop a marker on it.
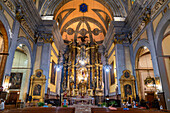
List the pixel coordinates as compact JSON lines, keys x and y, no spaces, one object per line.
{"x":144,"y":73}
{"x":3,"y":50}
{"x":160,"y":37}
{"x":19,"y":77}
{"x":166,"y":53}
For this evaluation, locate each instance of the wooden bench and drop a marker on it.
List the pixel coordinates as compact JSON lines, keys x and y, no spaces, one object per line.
{"x":120,"y":110}
{"x":42,"y":110}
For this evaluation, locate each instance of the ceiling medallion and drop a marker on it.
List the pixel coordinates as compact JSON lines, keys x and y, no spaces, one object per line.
{"x":96,"y":31}
{"x":83,"y":32}
{"x":70,"y":31}
{"x":83,"y":8}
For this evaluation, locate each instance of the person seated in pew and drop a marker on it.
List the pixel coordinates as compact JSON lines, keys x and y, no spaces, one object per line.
{"x":2,"y":104}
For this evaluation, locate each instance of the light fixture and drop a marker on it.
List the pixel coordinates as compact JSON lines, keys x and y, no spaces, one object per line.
{"x":107,"y":69}
{"x":107,"y":66}
{"x":82,"y":63}
{"x":58,"y":68}
{"x":144,"y":47}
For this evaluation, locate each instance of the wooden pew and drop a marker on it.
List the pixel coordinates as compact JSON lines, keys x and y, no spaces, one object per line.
{"x":120,"y":110}
{"x":42,"y":110}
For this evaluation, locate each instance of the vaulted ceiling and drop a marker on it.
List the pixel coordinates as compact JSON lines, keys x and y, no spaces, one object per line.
{"x":74,"y":23}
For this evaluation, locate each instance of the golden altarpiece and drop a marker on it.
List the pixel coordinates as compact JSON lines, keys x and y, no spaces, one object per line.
{"x":82,"y":74}
{"x":127,"y":86}
{"x":37,"y":86}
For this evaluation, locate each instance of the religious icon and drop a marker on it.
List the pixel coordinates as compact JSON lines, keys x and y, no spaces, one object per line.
{"x":112,"y":77}
{"x":128,"y":90}
{"x":126,"y":74}
{"x":38,"y":74}
{"x":83,"y":8}
{"x":149,"y":81}
{"x":15,"y":80}
{"x":37,"y":90}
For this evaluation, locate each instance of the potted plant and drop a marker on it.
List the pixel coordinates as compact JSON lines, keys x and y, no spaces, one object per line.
{"x":104,"y":104}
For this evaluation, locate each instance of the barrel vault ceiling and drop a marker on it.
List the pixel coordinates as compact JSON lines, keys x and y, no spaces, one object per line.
{"x":74,"y":24}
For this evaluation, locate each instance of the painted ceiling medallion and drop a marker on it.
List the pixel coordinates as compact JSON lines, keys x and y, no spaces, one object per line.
{"x":96,"y":31}
{"x":83,"y":8}
{"x":83,"y":32}
{"x":70,"y":31}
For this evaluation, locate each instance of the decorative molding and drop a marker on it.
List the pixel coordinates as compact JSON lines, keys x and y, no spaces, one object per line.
{"x":10,"y":6}
{"x":27,"y":28}
{"x":157,"y":6}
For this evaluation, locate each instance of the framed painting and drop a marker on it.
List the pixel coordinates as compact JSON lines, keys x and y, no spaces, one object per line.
{"x":15,"y":80}
{"x":112,"y":77}
{"x":37,"y":90}
{"x":128,"y":90}
{"x":53,"y":72}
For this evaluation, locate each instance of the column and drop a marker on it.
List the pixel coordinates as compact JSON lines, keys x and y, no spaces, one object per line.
{"x":120,"y":63}
{"x":45,"y":61}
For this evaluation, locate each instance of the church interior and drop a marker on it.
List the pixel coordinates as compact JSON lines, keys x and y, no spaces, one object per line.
{"x":85,"y":54}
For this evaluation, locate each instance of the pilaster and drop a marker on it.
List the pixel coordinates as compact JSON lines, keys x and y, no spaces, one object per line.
{"x":120,"y":63}
{"x":45,"y":61}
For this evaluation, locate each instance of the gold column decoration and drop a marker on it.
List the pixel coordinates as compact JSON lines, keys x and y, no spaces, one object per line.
{"x":101,"y":67}
{"x":97,"y":88}
{"x":89,"y":77}
{"x":68,"y":82}
{"x":127,"y":84}
{"x":37,"y":86}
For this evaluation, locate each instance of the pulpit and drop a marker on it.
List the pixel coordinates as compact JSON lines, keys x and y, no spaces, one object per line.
{"x":37,"y":86}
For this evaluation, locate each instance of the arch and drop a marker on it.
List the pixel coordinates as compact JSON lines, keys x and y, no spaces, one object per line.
{"x":81,"y":19}
{"x":162,"y":25}
{"x":24,"y":41}
{"x":6,"y":31}
{"x":158,"y":36}
{"x":5,"y":23}
{"x":140,"y":44}
{"x":27,"y":71}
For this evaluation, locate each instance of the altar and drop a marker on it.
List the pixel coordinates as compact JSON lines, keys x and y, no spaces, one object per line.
{"x":83,"y":101}
{"x":82,"y":74}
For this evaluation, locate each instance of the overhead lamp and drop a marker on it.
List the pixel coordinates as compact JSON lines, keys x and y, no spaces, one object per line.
{"x":58,"y":68}
{"x":144,"y":47}
{"x":107,"y":69}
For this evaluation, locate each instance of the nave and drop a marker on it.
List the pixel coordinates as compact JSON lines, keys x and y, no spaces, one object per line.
{"x":84,"y":54}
